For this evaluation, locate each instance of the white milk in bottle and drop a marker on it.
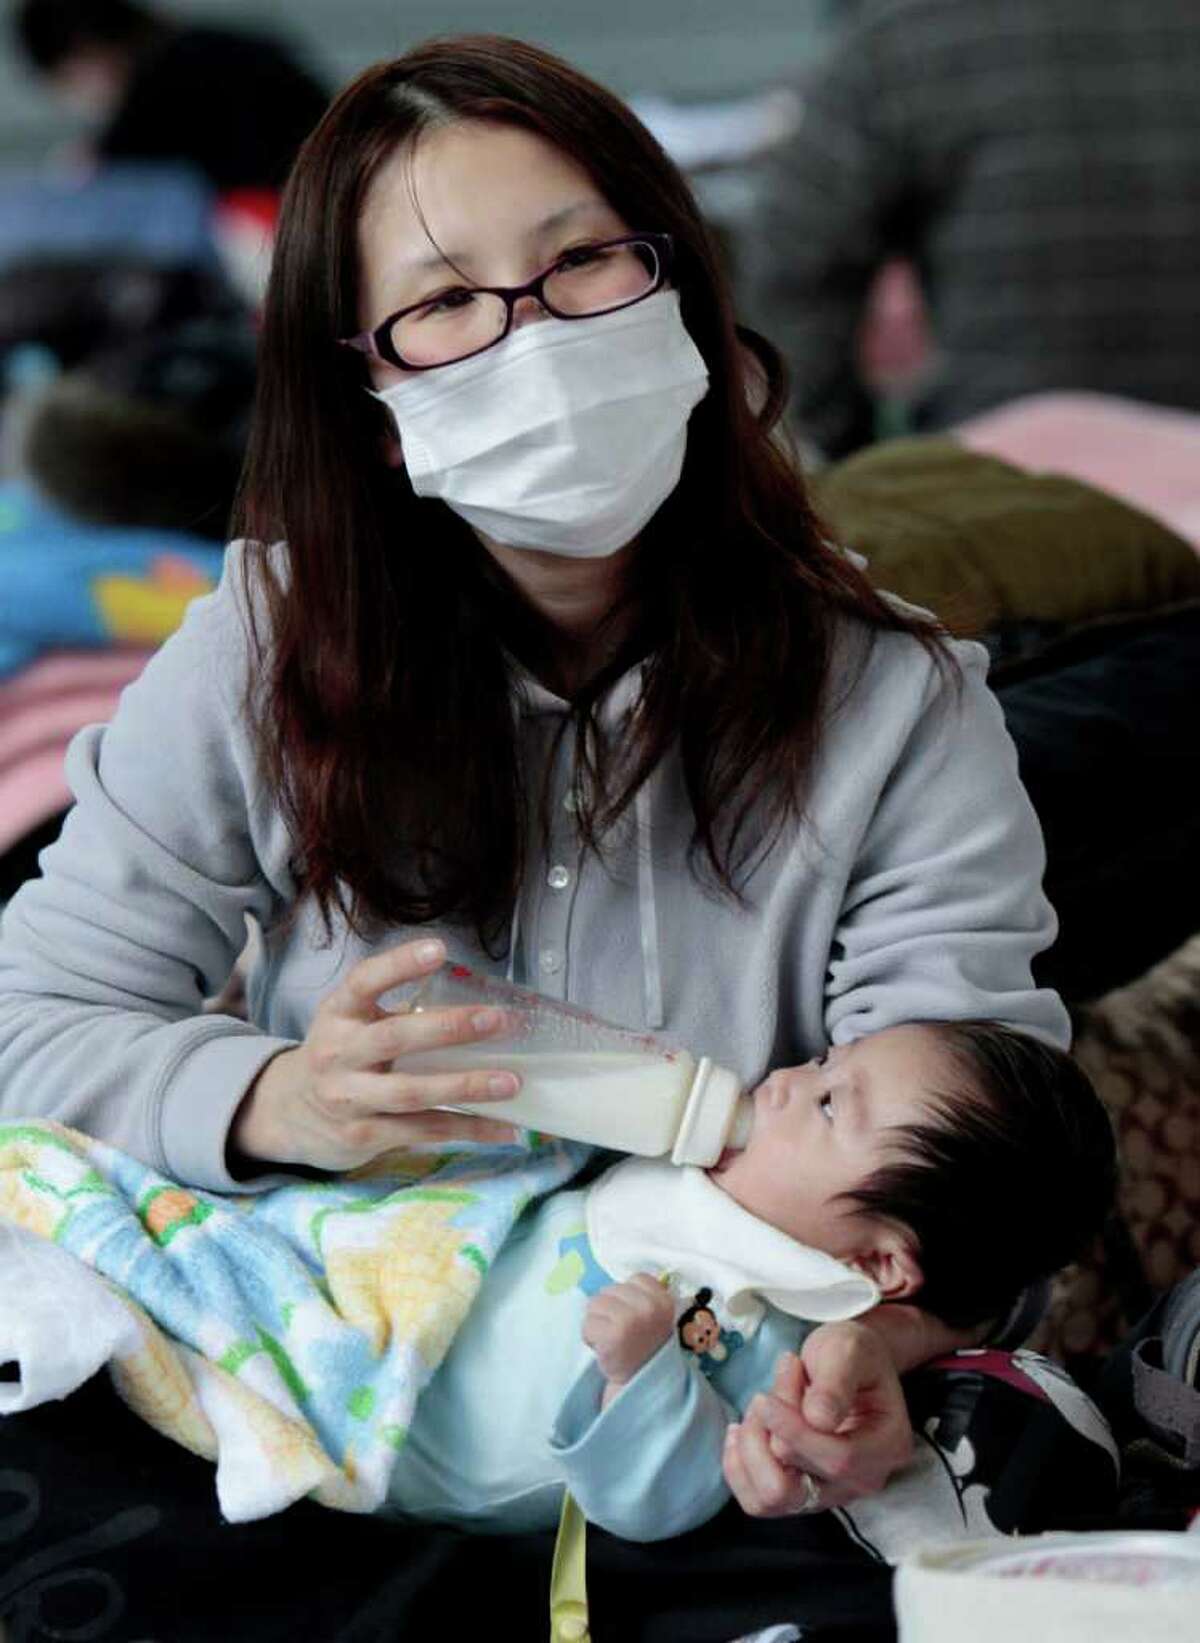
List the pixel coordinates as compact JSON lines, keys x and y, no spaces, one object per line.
{"x":584,"y":1078}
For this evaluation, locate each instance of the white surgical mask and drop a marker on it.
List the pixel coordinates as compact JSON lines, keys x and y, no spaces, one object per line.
{"x":567,"y":436}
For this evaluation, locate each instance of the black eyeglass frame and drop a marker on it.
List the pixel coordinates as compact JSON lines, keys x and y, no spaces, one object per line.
{"x":378,"y":342}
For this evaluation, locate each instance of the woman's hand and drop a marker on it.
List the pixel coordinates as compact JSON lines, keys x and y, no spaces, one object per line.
{"x":912,"y":1337}
{"x":834,"y":1422}
{"x":342,"y":1097}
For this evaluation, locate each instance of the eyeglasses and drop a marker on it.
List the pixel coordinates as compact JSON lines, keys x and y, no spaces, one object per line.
{"x":463,"y":320}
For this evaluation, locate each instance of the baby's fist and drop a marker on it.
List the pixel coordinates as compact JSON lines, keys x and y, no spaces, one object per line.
{"x":626,"y":1324}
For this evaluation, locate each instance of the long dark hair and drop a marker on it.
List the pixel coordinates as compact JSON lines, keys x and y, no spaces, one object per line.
{"x":383,"y":711}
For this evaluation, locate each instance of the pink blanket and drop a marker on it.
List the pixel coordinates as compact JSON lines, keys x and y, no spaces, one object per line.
{"x":41,"y":708}
{"x":1145,"y":454}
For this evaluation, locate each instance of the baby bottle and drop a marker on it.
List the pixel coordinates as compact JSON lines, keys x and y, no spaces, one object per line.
{"x":584,"y":1078}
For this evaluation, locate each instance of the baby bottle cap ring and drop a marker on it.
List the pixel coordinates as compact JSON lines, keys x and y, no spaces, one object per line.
{"x":708,"y":1116}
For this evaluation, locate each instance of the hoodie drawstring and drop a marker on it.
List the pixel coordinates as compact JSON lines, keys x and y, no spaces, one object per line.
{"x":514,"y":931}
{"x":518,"y":700}
{"x":648,"y":910}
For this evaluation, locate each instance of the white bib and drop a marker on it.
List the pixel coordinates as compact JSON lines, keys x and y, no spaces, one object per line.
{"x":647,"y":1215}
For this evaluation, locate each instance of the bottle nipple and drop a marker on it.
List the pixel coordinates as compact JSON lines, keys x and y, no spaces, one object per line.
{"x":708,"y":1116}
{"x":743,"y":1123}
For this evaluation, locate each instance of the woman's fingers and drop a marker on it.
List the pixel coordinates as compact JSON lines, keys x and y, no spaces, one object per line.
{"x":843,"y":1362}
{"x":399,"y":1092}
{"x":391,"y":1131}
{"x":761,"y":1486}
{"x":860,"y":1461}
{"x":791,"y":1379}
{"x":403,"y":1033}
{"x":754,"y":1475}
{"x":359,"y":1140}
{"x":853,"y":1383}
{"x":797,"y":1445}
{"x":360,"y":989}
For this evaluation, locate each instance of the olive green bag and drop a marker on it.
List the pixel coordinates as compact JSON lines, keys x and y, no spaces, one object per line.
{"x":981,"y":543}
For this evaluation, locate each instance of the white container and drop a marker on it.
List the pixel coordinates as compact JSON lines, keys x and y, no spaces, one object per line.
{"x":1119,"y":1586}
{"x":584,"y":1078}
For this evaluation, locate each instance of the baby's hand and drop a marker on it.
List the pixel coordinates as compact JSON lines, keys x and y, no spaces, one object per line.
{"x":626,"y":1324}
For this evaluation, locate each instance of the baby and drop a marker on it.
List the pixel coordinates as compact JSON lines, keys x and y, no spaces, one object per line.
{"x":626,"y":1324}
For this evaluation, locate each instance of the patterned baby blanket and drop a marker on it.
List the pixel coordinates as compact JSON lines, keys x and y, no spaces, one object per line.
{"x":285,"y":1334}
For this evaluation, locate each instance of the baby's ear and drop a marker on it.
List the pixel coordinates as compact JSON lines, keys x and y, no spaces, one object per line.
{"x":391,"y":450}
{"x":889,"y":1259}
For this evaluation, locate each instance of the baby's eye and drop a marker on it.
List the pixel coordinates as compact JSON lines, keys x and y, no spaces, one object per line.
{"x":826,"y":1105}
{"x":820,"y":1060}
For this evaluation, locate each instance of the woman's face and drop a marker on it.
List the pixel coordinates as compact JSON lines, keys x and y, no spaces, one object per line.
{"x":497,"y":205}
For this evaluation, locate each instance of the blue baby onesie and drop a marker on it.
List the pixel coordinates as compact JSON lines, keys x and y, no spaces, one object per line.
{"x":513,"y":1415}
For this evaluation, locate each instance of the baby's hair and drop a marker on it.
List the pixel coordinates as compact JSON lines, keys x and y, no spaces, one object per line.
{"x":1012,"y":1177}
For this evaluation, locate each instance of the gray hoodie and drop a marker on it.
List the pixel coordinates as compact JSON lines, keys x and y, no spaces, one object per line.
{"x":912,"y":891}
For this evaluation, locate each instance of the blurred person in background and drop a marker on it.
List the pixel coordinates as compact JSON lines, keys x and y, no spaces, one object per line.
{"x":1036,"y":161}
{"x":234,"y":105}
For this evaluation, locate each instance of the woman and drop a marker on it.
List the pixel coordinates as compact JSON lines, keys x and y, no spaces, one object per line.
{"x":551,"y":670}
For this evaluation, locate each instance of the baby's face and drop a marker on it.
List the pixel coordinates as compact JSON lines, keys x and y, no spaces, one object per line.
{"x":821,"y":1129}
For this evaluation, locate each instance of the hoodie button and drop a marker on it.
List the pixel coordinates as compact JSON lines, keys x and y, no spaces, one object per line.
{"x":550,"y":960}
{"x":558,"y":878}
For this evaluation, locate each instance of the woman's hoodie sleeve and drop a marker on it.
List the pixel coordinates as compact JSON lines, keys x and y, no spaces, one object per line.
{"x":944,"y":908}
{"x":141,"y":911}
